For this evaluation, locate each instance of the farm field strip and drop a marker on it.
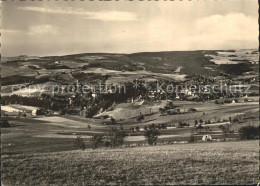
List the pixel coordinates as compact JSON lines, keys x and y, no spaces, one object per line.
{"x":8,"y":108}
{"x":55,"y":135}
{"x":61,"y":121}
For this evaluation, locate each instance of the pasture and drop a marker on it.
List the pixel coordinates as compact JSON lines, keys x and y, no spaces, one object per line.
{"x":210,"y":110}
{"x":56,"y":133}
{"x":199,"y":163}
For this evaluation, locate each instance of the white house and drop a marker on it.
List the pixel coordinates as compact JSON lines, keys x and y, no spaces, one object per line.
{"x":206,"y":138}
{"x":34,"y":112}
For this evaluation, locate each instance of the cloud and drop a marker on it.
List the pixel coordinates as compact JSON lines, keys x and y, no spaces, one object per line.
{"x":99,"y":15}
{"x":8,"y":31}
{"x":42,"y":29}
{"x":230,"y":31}
{"x":230,"y":27}
{"x":112,"y":16}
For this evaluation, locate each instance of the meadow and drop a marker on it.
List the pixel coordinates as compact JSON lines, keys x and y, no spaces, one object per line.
{"x":199,"y":163}
{"x":56,"y":133}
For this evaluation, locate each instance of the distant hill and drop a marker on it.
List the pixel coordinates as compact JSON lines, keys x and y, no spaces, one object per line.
{"x":161,"y":62}
{"x":190,"y":61}
{"x":187,"y":62}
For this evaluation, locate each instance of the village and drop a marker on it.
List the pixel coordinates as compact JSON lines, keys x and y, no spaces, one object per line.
{"x":77,"y":98}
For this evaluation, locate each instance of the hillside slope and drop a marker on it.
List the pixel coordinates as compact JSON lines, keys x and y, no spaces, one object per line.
{"x":207,"y":163}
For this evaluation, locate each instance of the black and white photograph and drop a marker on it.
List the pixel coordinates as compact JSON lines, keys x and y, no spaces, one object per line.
{"x":129,"y":92}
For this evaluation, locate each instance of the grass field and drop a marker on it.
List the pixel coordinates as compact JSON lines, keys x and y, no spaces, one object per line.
{"x":200,"y":163}
{"x":56,"y":133}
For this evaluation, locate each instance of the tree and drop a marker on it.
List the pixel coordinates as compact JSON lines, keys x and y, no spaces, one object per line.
{"x":140,"y":118}
{"x":89,"y":127}
{"x":207,"y":129}
{"x":132,"y":129}
{"x":249,"y":132}
{"x":96,"y":140}
{"x":151,"y":135}
{"x":153,"y":126}
{"x":236,"y":120}
{"x":162,"y":110}
{"x":79,"y":143}
{"x":199,"y":127}
{"x":201,"y":121}
{"x":113,"y":121}
{"x":121,"y":127}
{"x":164,"y":126}
{"x":196,"y":123}
{"x":225,"y":129}
{"x":137,"y":129}
{"x":114,"y":137}
{"x":192,"y":138}
{"x":4,"y":123}
{"x":170,"y":105}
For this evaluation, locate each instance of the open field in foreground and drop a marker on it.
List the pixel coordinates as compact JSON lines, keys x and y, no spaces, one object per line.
{"x":199,"y":163}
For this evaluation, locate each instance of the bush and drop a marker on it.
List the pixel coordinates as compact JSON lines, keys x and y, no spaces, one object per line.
{"x":164,"y":126}
{"x":4,"y":123}
{"x":200,"y":127}
{"x":96,"y":140}
{"x":151,"y":136}
{"x":140,"y":118}
{"x":113,"y":121}
{"x":249,"y":132}
{"x":225,"y":129}
{"x":192,"y":138}
{"x":114,"y":137}
{"x":79,"y":143}
{"x":183,"y":124}
{"x":162,"y":110}
{"x":196,"y":123}
{"x":152,"y":126}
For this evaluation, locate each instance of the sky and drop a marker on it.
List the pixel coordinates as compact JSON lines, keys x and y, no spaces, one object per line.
{"x":41,"y":28}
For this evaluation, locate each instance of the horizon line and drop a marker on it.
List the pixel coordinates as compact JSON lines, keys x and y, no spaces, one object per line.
{"x":120,"y":53}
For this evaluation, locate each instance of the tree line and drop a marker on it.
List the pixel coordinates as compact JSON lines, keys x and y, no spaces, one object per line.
{"x":114,"y":137}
